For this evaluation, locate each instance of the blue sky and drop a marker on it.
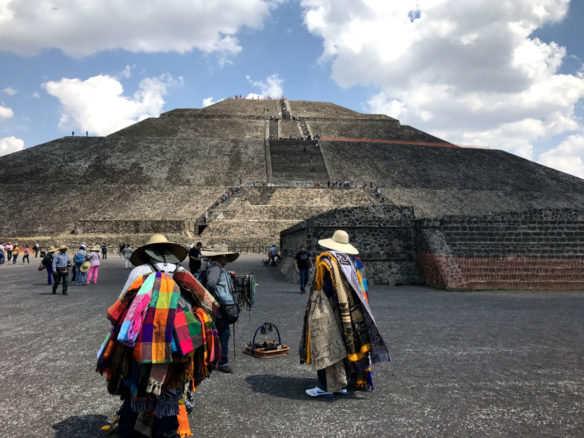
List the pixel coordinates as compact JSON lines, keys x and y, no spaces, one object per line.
{"x":505,"y":75}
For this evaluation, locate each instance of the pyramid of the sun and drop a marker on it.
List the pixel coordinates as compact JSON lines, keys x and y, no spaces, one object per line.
{"x":166,"y":174}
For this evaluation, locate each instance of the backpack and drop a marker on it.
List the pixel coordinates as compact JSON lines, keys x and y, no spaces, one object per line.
{"x":229,"y":312}
{"x":78,"y":259}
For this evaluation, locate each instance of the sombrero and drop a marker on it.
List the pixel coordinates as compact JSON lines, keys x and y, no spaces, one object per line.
{"x":160,"y":249}
{"x":339,"y":242}
{"x":62,"y":247}
{"x":220,"y":250}
{"x":85,"y":266}
{"x":51,"y":250}
{"x":95,"y":248}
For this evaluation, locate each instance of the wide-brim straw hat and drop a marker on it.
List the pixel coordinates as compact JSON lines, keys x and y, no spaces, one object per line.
{"x":62,"y":247}
{"x":339,"y":242}
{"x":218,"y":251}
{"x":95,"y":248}
{"x":52,"y":249}
{"x":160,"y":249}
{"x":85,"y":266}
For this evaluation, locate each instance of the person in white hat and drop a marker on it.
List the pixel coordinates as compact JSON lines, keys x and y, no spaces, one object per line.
{"x":342,"y":357}
{"x":95,"y":264}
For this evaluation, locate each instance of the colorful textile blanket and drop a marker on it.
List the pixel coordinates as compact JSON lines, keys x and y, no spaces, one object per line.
{"x":187,"y":332}
{"x":132,"y":323}
{"x":379,"y":351}
{"x":154,"y":342}
{"x":186,"y":280}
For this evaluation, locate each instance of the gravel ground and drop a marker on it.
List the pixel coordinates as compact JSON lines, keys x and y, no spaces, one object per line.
{"x":463,"y":364}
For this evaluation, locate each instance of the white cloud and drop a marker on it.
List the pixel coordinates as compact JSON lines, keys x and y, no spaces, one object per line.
{"x":10,"y":91}
{"x":468,"y":73}
{"x":209,"y":101}
{"x":99,"y":106}
{"x":125,"y":73}
{"x":10,"y":144}
{"x":567,"y":156}
{"x":87,"y":27}
{"x":35,"y":95}
{"x":5,"y":112}
{"x":271,"y":87}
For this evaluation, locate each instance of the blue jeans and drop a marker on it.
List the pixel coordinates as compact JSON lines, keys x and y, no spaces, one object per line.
{"x":224,"y":332}
{"x":2,"y":258}
{"x":14,"y":257}
{"x":303,"y":279}
{"x":50,"y":277}
{"x":79,"y":276}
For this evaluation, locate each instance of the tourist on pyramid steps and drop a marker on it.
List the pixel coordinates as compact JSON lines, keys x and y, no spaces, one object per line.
{"x":2,"y":256}
{"x":48,"y":265}
{"x":79,"y":258}
{"x":95,"y":264}
{"x":195,"y":259}
{"x":25,"y":255}
{"x":61,"y":266}
{"x":161,"y":378}
{"x":36,"y":248}
{"x":341,"y":355}
{"x":303,"y":266}
{"x":15,"y":251}
{"x":127,"y":254}
{"x":219,"y":283}
{"x":272,"y":255}
{"x":8,"y":248}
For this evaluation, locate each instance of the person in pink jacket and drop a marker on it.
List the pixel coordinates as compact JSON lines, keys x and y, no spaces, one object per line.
{"x":95,"y":263}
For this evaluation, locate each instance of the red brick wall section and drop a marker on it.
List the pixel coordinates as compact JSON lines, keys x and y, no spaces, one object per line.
{"x":509,"y":273}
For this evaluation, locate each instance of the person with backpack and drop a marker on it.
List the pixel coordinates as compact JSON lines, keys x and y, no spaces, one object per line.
{"x":80,"y":258}
{"x":219,"y":283}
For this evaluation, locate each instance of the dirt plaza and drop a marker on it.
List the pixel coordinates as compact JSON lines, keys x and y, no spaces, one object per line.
{"x":463,"y":364}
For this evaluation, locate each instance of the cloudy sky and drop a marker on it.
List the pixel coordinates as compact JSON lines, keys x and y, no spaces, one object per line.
{"x":505,"y":74}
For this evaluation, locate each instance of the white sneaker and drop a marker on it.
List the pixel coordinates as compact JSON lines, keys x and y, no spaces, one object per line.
{"x":317,"y":392}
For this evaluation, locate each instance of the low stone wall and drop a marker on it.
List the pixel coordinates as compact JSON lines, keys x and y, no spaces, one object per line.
{"x":538,"y":249}
{"x":385,"y":236}
{"x":133,"y":227}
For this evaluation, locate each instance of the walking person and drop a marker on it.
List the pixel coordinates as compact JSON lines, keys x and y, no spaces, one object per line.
{"x":2,"y":258}
{"x":127,"y":255}
{"x":60,"y":268}
{"x":340,"y":339}
{"x":195,"y":259}
{"x":15,"y":251}
{"x":80,"y":258}
{"x":95,"y":264}
{"x":48,"y":265}
{"x":36,"y":249}
{"x":303,"y":265}
{"x":103,"y":251}
{"x":8,"y":251}
{"x":26,"y":255}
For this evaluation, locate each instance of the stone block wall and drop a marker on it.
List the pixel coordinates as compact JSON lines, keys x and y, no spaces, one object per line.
{"x":384,"y":235}
{"x":133,"y":226}
{"x":537,"y":249}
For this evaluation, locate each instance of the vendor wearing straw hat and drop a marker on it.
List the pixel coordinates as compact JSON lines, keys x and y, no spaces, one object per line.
{"x":342,"y":357}
{"x":157,"y":253}
{"x":219,"y":283}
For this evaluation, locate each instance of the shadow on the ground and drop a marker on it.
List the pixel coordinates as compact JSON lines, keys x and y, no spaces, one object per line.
{"x":289,"y":387}
{"x":86,"y":426}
